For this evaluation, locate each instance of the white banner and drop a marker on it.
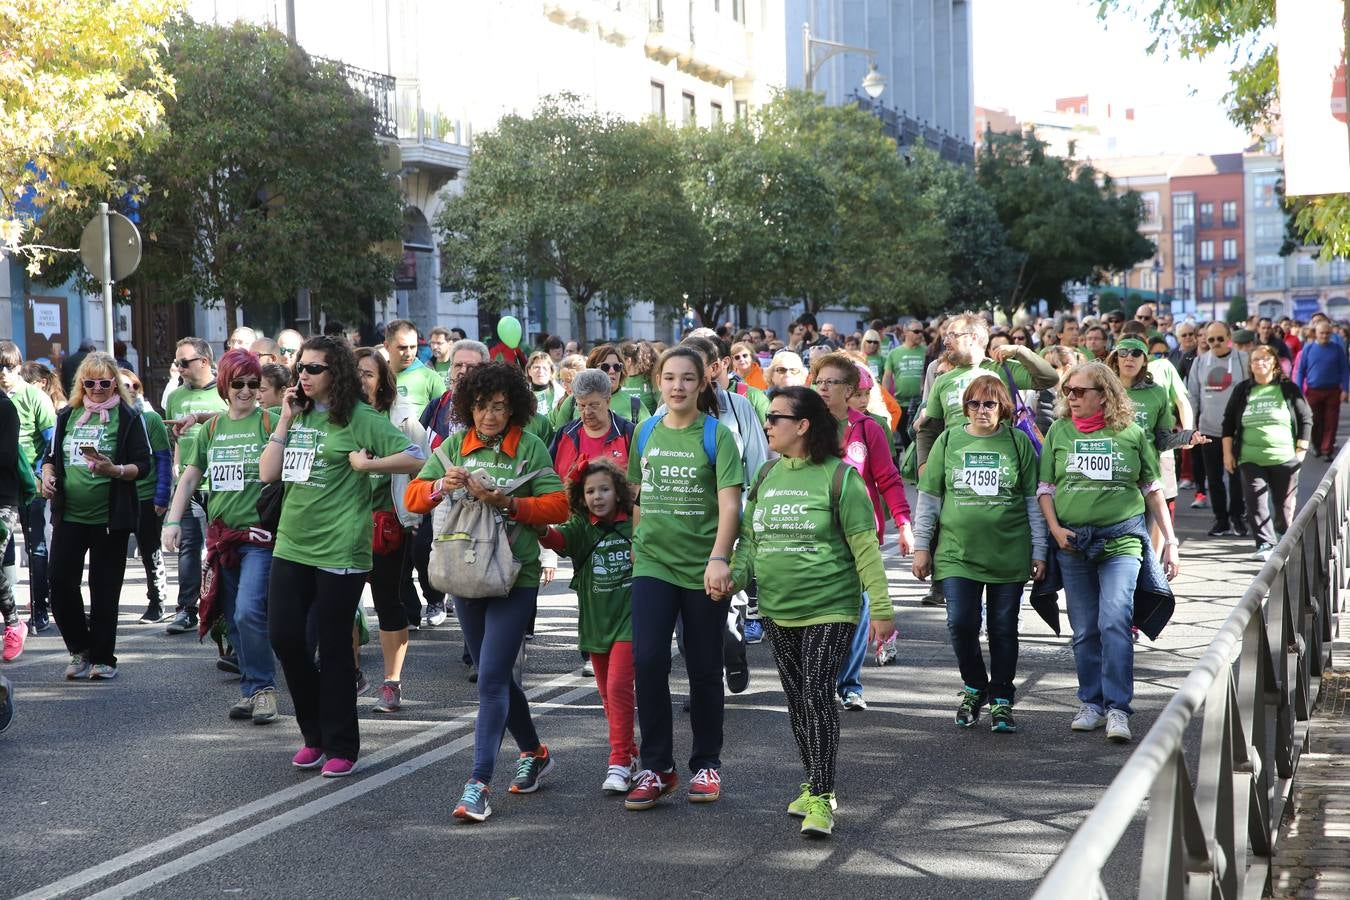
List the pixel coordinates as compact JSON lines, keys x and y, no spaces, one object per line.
{"x":1312,"y":39}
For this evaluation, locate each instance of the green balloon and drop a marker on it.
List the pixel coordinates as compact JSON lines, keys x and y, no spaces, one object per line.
{"x":508,"y":329}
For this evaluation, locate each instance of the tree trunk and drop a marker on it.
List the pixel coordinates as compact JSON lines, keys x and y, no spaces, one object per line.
{"x":579,"y":307}
{"x":230,"y":314}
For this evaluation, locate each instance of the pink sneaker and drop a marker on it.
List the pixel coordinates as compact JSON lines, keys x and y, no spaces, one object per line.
{"x":15,"y":635}
{"x":338,"y":768}
{"x":308,"y":758}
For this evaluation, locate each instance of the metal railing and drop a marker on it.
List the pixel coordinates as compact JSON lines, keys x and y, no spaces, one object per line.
{"x":1256,"y":686}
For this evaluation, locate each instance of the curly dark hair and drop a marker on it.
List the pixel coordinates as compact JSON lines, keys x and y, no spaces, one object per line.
{"x":576,"y":488}
{"x":482,"y":383}
{"x":346,"y":391}
{"x":822,"y":438}
{"x":386,"y":387}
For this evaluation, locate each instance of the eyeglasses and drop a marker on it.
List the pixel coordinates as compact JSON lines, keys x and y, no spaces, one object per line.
{"x":14,"y":368}
{"x":313,"y":368}
{"x":610,"y":367}
{"x":953,"y":335}
{"x":784,"y":370}
{"x":775,"y":418}
{"x":1077,"y":392}
{"x":239,"y":384}
{"x":1185,"y":334}
{"x":100,"y":383}
{"x":1221,"y":339}
{"x":1131,"y":352}
{"x":828,"y":382}
{"x":981,"y":404}
{"x":288,"y":351}
{"x":914,"y":330}
{"x":184,"y":363}
{"x":497,"y":409}
{"x":1019,"y":338}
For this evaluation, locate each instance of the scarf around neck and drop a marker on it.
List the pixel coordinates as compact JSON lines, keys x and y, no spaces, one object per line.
{"x":91,"y":407}
{"x":1094,"y":422}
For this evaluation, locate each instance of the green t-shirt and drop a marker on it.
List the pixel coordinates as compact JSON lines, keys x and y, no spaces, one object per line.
{"x":677,"y":529}
{"x":504,"y":468}
{"x":759,"y":400}
{"x":1166,"y":376}
{"x":442,"y":368}
{"x":544,"y":399}
{"x":906,"y":366}
{"x":944,"y":400}
{"x":1267,"y":428}
{"x":228,"y":461}
{"x":187,"y":399}
{"x":420,"y":384}
{"x":637,"y":385}
{"x":983,"y":483}
{"x":805,"y":569}
{"x":1097,"y":477}
{"x":1152,"y":410}
{"x":325,"y":517}
{"x":159,"y":440}
{"x":603,"y":581}
{"x":87,"y":493}
{"x":876,"y":364}
{"x":36,"y":415}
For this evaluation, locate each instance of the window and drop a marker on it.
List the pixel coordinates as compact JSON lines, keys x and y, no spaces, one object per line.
{"x":1229,"y":213}
{"x":1232,"y":287}
{"x":1183,"y":210}
{"x":738,"y":10}
{"x":1206,"y":215}
{"x":1206,"y":251}
{"x":1082,"y":109}
{"x":1270,"y":276}
{"x":1149,"y":206}
{"x":1340,"y":271}
{"x":717,"y":114}
{"x":1230,"y":249}
{"x":742,"y":110}
{"x":658,"y":99}
{"x":1263,"y":190}
{"x":689,"y":113}
{"x":1268,"y":235}
{"x":1207,"y":289}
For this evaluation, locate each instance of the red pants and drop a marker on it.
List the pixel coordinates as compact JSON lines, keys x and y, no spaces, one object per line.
{"x":1326,"y":413}
{"x":614,"y":678}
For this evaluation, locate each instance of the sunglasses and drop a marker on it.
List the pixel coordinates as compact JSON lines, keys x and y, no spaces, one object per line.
{"x":914,"y":330}
{"x":239,"y":384}
{"x":100,"y":383}
{"x":312,"y":368}
{"x":871,"y":342}
{"x":610,"y":367}
{"x":775,"y":418}
{"x":1078,"y":392}
{"x":784,"y":370}
{"x":1019,"y":339}
{"x":287,"y":351}
{"x":981,"y":404}
{"x":1216,"y":340}
{"x":1131,"y":352}
{"x":184,"y":363}
{"x":1159,"y":355}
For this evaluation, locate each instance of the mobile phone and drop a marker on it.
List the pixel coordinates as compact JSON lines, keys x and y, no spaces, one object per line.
{"x":300,"y":400}
{"x":89,"y":450}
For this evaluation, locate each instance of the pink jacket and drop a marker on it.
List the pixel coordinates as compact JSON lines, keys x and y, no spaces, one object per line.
{"x":865,"y":448}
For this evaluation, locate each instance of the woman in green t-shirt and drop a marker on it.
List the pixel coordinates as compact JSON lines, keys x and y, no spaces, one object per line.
{"x":97,"y":453}
{"x":154,"y":491}
{"x":1098,"y":478}
{"x":543,"y":376}
{"x":638,"y":360}
{"x":1267,"y":426}
{"x":985,"y":485}
{"x":324,"y":448}
{"x":691,"y":478}
{"x":813,"y":553}
{"x":224,"y":461}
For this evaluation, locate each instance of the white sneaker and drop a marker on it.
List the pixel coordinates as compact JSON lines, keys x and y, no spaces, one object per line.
{"x":618,"y":781}
{"x":1088,"y":719}
{"x":854,"y":701}
{"x":588,"y":668}
{"x":1117,"y":726}
{"x":1185,"y":484}
{"x":436,"y":615}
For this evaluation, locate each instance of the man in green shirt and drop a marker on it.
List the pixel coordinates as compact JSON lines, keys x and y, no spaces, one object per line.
{"x":902,"y":375}
{"x":417,"y":382}
{"x":440,"y":342}
{"x":37,"y":421}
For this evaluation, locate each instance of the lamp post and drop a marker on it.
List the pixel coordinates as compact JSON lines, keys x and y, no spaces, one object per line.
{"x":1214,"y":293}
{"x":1179,"y":283}
{"x":1157,"y":280}
{"x":874,"y":82}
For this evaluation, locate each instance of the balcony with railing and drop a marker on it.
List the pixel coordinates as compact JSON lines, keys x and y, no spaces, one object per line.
{"x":705,"y":42}
{"x":617,"y":21}
{"x":908,"y":131}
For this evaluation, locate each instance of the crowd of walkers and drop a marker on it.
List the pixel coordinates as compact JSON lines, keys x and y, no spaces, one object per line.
{"x":727,"y":489}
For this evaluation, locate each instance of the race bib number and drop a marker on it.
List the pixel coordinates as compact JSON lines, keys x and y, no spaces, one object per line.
{"x":227,"y":474}
{"x":1091,"y":459}
{"x":980,"y":474}
{"x":83,"y":436}
{"x":297,"y":460}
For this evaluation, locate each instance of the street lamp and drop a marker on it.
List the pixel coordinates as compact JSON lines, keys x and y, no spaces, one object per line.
{"x":1214,"y":293}
{"x":1157,"y":280}
{"x":874,"y":83}
{"x":1179,"y":283}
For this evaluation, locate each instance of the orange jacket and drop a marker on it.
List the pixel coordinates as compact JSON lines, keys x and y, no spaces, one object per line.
{"x":545,"y":509}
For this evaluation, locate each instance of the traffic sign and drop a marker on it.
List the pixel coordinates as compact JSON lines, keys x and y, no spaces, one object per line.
{"x":124,"y":244}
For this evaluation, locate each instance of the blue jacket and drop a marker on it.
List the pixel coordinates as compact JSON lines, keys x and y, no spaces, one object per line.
{"x":1322,"y":366}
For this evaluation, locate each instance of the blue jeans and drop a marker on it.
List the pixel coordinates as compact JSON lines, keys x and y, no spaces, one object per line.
{"x":494,"y":629}
{"x":243,"y":599}
{"x":193,"y":528}
{"x":963,"y":624}
{"x":1100,"y":598}
{"x":850,"y":676}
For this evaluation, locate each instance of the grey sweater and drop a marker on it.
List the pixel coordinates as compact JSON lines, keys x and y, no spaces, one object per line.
{"x":1210,"y":383}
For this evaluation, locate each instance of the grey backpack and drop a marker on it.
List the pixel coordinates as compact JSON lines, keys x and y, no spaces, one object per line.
{"x":471,"y":544}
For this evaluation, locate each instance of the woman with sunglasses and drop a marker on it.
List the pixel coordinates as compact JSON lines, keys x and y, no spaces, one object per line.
{"x":324,"y":447}
{"x":154,"y":490}
{"x":984,"y":485}
{"x":1098,"y":485}
{"x":864,"y":446}
{"x":871,"y":349}
{"x":223,"y":460}
{"x":98,"y":452}
{"x":745,"y":364}
{"x":812,"y":556}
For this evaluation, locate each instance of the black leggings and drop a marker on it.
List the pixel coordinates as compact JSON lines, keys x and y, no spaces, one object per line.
{"x":386,"y":572}
{"x":96,"y":635}
{"x":324,"y":697}
{"x":809,"y":659}
{"x":148,"y":529}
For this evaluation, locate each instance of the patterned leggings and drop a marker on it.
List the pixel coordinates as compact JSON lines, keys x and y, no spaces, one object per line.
{"x":809,"y":659}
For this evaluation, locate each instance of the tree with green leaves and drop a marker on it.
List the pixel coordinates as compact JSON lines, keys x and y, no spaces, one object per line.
{"x":270,"y":178}
{"x":82,"y":83}
{"x":1067,"y":223}
{"x":583,"y":199}
{"x":1242,"y":33}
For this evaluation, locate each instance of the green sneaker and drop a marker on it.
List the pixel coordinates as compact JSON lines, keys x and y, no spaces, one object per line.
{"x":968,"y":712}
{"x":819,"y":815}
{"x":1001,"y":717}
{"x":798,"y":807}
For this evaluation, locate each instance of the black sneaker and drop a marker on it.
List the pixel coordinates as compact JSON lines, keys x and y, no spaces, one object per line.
{"x":228,"y":664}
{"x":1218,"y":529}
{"x":183,"y":622}
{"x":154,"y":614}
{"x":531,"y":767}
{"x":933,"y":597}
{"x":733,"y":658}
{"x":1240,"y":528}
{"x":968,"y":712}
{"x":38,"y":624}
{"x":1001,"y":717}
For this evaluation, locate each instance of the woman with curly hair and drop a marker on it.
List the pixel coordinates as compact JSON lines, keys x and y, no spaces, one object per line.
{"x":324,"y":448}
{"x":1098,"y":479}
{"x":493,"y":448}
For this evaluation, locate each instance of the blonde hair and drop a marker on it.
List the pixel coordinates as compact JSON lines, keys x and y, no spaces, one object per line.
{"x":1116,"y":406}
{"x":98,"y":365}
{"x":539,"y":355}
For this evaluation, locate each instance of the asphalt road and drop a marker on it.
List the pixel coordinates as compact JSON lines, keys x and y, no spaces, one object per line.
{"x":143,"y":787}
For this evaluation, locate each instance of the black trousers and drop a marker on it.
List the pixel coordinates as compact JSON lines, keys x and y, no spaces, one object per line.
{"x":148,"y":530}
{"x":94,"y":636}
{"x":386,"y":574}
{"x":324,"y":696}
{"x":1271,"y":492}
{"x":1225,"y":491}
{"x":419,"y":558}
{"x":33,"y":518}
